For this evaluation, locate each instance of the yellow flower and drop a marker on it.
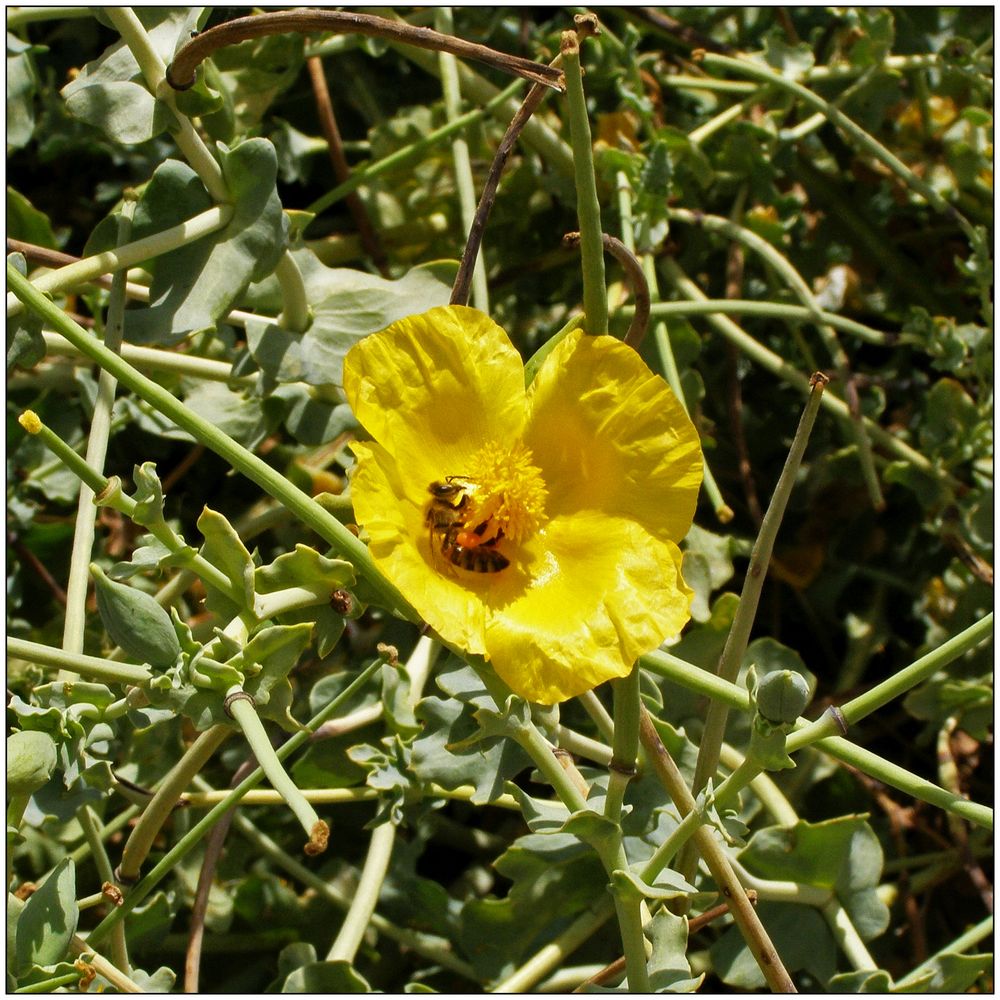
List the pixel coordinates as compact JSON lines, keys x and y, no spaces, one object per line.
{"x":536,"y":527}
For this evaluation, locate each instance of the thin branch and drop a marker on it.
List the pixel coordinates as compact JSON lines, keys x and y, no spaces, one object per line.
{"x":181,"y":72}
{"x":751,"y":928}
{"x":214,"y":843}
{"x":463,"y":280}
{"x":654,"y":18}
{"x":341,"y":169}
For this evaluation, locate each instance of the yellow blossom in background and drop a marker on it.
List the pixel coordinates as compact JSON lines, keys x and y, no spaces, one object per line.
{"x":535,"y":526}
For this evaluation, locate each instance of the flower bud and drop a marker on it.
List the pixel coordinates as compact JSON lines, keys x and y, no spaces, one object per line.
{"x":135,"y":621}
{"x":782,"y":696}
{"x":31,"y":759}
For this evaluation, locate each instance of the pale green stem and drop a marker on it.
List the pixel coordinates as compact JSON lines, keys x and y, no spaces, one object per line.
{"x":74,"y":623}
{"x":729,"y":885}
{"x":732,"y":231}
{"x":898,"y":777}
{"x":160,"y":806}
{"x":847,"y":937}
{"x":598,"y":713}
{"x":776,"y":310}
{"x":82,"y":947}
{"x":359,"y":915}
{"x":201,"y":828}
{"x":20,"y":16}
{"x":429,"y":946}
{"x":625,"y":745}
{"x":760,"y":557}
{"x":156,"y":359}
{"x":295,"y":314}
{"x":704,"y":132}
{"x":92,"y":831}
{"x":98,"y":484}
{"x":302,"y":505}
{"x":703,"y":682}
{"x":679,"y":81}
{"x":415,"y":150}
{"x":696,"y":679}
{"x":444,"y":23}
{"x":365,"y":896}
{"x":553,"y":954}
{"x":981,"y":932}
{"x":343,"y":796}
{"x":595,"y":293}
{"x":108,"y":830}
{"x":569,"y":977}
{"x":630,"y":920}
{"x":781,"y":891}
{"x":89,"y":902}
{"x":584,"y":746}
{"x":243,"y":713}
{"x":775,"y":364}
{"x":93,"y":668}
{"x":668,"y":849}
{"x":112,"y":261}
{"x":900,"y":682}
{"x":770,"y":796}
{"x":154,"y":71}
{"x":289,"y":599}
{"x":628,"y":909}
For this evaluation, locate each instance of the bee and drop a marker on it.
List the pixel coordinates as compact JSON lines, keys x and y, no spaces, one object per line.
{"x":469,"y":548}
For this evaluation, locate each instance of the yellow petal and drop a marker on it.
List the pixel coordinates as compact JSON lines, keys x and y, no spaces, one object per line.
{"x":597,"y":593}
{"x":610,"y":436}
{"x":436,"y":388}
{"x":400,"y":544}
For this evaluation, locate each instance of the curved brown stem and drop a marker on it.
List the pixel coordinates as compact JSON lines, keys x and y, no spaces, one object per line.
{"x":463,"y":280}
{"x":181,"y":72}
{"x":341,"y":170}
{"x":636,"y":278}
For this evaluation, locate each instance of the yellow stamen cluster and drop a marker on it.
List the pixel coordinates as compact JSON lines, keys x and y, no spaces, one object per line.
{"x":509,"y":491}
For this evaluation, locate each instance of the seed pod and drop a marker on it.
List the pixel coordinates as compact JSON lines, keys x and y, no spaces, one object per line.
{"x":31,"y":759}
{"x":782,"y":696}
{"x":135,"y":621}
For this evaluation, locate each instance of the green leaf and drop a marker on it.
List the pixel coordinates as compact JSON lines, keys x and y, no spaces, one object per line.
{"x":225,"y":550}
{"x":22,"y":84}
{"x":275,"y":650}
{"x":791,"y":61}
{"x":48,"y":920}
{"x":125,"y":111}
{"x":324,"y":978}
{"x":304,"y":567}
{"x":668,"y":885}
{"x":110,"y":92}
{"x":800,"y":936}
{"x":668,"y":967}
{"x":842,"y":855}
{"x":24,"y":221}
{"x":346,"y":306}
{"x":486,"y":765}
{"x":196,"y":285}
{"x":707,"y":566}
{"x":235,"y":413}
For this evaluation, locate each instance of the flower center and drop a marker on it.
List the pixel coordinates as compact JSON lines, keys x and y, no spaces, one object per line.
{"x":508,"y":492}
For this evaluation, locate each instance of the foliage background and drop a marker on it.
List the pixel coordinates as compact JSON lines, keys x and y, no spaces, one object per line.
{"x":855,"y":593}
